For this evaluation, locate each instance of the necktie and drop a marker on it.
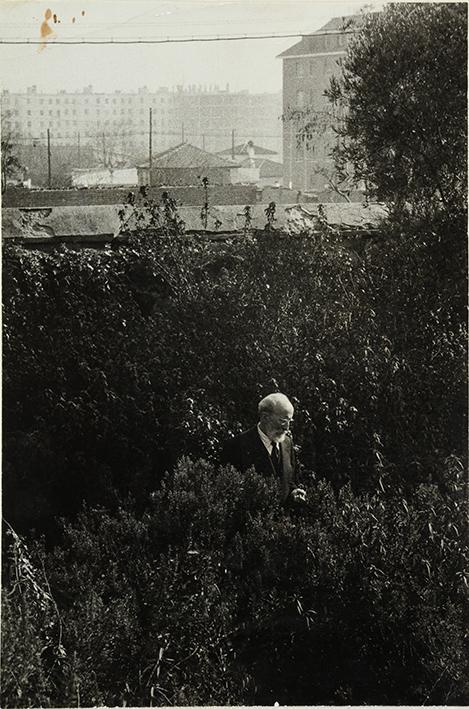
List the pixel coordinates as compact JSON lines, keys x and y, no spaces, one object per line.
{"x":275,"y":457}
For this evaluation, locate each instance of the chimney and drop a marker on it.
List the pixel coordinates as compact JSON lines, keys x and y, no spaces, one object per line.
{"x":251,"y":153}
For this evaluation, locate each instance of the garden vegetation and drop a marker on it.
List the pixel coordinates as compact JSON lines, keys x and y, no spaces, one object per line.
{"x":136,"y":569}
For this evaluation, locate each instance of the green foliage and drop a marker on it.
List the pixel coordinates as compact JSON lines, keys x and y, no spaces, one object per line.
{"x":403,"y":89}
{"x":202,"y":590}
{"x":32,"y":649}
{"x":214,"y":595}
{"x":118,"y":362}
{"x":11,"y":164}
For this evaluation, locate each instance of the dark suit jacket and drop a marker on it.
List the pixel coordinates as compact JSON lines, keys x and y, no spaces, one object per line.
{"x":247,"y":450}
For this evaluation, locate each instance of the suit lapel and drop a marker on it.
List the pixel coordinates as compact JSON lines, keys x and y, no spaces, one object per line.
{"x":261,"y":454}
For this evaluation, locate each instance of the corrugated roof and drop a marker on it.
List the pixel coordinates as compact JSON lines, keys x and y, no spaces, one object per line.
{"x":186,"y":155}
{"x":242,"y":149}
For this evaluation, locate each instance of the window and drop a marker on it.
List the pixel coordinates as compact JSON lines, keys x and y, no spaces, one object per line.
{"x":299,"y":69}
{"x":29,"y":113}
{"x":300,"y":99}
{"x":41,"y":113}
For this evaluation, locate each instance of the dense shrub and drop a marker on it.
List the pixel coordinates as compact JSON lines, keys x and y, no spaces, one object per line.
{"x":215,"y":596}
{"x":200,"y":590}
{"x":118,"y":362}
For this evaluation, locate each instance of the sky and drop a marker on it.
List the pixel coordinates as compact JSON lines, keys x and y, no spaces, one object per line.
{"x":244,"y":64}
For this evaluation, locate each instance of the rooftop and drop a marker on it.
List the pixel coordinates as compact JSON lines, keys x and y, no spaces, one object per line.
{"x":186,"y":155}
{"x":242,"y":149}
{"x":337,"y":25}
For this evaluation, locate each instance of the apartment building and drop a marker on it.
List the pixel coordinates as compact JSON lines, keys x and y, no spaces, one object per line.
{"x":87,"y":117}
{"x":212,"y":119}
{"x":117,"y":123}
{"x":307,"y":69}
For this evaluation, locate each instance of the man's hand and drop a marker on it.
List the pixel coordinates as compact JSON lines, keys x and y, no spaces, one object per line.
{"x":298,"y":495}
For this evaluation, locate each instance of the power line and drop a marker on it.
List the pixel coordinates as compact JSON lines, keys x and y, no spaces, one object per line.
{"x":125,"y":134}
{"x":176,"y":40}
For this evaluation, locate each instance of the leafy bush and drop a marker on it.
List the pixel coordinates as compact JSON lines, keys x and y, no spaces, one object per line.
{"x":118,"y":362}
{"x":214,"y":595}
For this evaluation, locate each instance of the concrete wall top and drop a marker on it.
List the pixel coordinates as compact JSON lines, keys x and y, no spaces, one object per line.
{"x":84,"y":222}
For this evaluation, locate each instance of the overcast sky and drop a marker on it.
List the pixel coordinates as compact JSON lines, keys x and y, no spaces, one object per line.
{"x":243,"y":64}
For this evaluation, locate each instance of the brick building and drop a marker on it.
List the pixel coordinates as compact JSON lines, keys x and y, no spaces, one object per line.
{"x":307,"y":69}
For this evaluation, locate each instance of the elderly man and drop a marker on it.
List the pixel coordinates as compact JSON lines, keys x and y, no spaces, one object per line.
{"x":268,"y":447}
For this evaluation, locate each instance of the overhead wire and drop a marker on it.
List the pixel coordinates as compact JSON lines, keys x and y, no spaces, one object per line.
{"x":173,"y":40}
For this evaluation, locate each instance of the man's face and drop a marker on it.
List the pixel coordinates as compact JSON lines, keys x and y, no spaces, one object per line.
{"x":276,"y":424}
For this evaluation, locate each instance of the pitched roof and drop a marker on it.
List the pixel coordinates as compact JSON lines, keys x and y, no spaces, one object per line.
{"x":266,"y":167}
{"x":242,"y":149}
{"x":337,"y":24}
{"x":186,"y":155}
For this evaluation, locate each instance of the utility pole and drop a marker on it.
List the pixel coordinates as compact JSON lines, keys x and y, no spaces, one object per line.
{"x":78,"y":150}
{"x":290,"y":177}
{"x":203,"y":142}
{"x":305,"y":175}
{"x":150,"y":157}
{"x":49,"y":176}
{"x":232,"y":144}
{"x":104,"y":150}
{"x":182,"y":133}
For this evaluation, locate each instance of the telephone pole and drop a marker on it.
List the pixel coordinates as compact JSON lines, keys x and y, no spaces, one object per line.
{"x":232,"y":144}
{"x":182,"y":133}
{"x":150,"y":157}
{"x":78,"y":150}
{"x":49,"y":176}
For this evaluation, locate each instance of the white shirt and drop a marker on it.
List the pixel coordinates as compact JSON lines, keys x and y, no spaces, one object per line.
{"x":265,"y":439}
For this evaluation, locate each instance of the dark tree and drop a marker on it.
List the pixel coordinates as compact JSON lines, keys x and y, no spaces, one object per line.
{"x":403,"y":91}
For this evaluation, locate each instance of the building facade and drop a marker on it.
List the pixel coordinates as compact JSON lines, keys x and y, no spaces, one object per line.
{"x":214,"y":119}
{"x":116,"y":125}
{"x":307,"y":69}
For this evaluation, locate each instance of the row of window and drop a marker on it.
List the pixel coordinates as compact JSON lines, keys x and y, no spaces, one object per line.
{"x":85,"y":110}
{"x":312,"y":67}
{"x":73,"y":101}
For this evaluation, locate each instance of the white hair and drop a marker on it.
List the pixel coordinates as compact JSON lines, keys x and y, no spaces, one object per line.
{"x":269,"y":404}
